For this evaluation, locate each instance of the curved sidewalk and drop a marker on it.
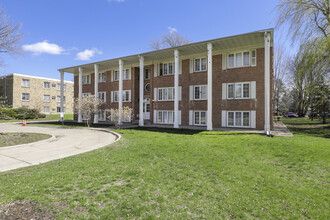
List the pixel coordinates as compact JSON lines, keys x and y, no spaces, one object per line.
{"x":65,"y":142}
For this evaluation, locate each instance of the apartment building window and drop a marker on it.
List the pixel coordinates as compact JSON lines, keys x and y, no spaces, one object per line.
{"x":116,"y":75}
{"x":147,"y":87}
{"x":25,"y":83}
{"x":59,"y":99}
{"x":86,"y":79}
{"x":84,"y":95}
{"x":200,"y":118}
{"x":59,"y":87}
{"x":102,"y":96}
{"x":46,"y":110}
{"x":126,"y":74}
{"x":147,"y":73}
{"x":102,"y":77}
{"x":46,"y":85}
{"x":166,"y":69}
{"x":46,"y":98}
{"x":238,"y":91}
{"x":102,"y":115}
{"x":58,"y":109}
{"x":125,"y":98}
{"x":199,"y":64}
{"x":25,"y":97}
{"x":166,"y":94}
{"x":165,"y":117}
{"x":241,"y":59}
{"x":238,"y":119}
{"x":200,"y":92}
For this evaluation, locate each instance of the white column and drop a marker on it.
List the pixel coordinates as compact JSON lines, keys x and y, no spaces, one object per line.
{"x":209,"y":87}
{"x":176,"y":89}
{"x":80,"y":94}
{"x":120,"y":94}
{"x":96,"y":91}
{"x":62,"y":93}
{"x":267,"y":83}
{"x":141,"y":121}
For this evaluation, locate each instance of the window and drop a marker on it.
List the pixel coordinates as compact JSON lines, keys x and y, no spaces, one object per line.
{"x":102,"y":115}
{"x":126,"y":96}
{"x":200,"y":64}
{"x":147,"y":87}
{"x":165,"y":117}
{"x":253,"y":57}
{"x":59,"y":86}
{"x":200,"y":118}
{"x":86,"y":79}
{"x":86,"y":94}
{"x":240,"y":59}
{"x":25,"y":97}
{"x":58,"y":109}
{"x":46,"y":85}
{"x":102,"y":96}
{"x":238,"y":91}
{"x":25,"y":83}
{"x":126,"y":74}
{"x":147,"y":74}
{"x":166,"y":69}
{"x":59,"y":99}
{"x":200,"y":92}
{"x":102,"y":77}
{"x":166,"y":94}
{"x":238,"y":119}
{"x":46,"y":98}
{"x":116,"y":75}
{"x":46,"y":110}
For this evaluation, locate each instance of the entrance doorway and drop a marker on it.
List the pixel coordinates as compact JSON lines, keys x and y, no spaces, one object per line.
{"x":146,"y":109}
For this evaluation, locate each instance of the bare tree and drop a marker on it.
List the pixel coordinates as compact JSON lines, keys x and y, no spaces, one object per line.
{"x":168,"y":40}
{"x":10,"y":36}
{"x":125,"y":114}
{"x":306,"y":18}
{"x":88,"y":105}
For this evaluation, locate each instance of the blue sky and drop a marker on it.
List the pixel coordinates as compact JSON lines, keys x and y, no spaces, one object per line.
{"x":65,"y":33}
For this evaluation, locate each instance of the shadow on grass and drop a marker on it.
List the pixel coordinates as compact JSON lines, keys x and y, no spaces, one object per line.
{"x":315,"y":132}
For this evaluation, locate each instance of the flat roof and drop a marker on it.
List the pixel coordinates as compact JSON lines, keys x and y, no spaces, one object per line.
{"x":36,"y":77}
{"x":255,"y":38}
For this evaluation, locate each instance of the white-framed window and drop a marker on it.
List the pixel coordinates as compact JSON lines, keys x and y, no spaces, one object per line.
{"x":165,"y":117}
{"x":58,"y":99}
{"x":86,"y":79}
{"x":200,"y":92}
{"x":46,"y":98}
{"x":126,"y":96}
{"x":102,"y":96}
{"x":46,"y":85}
{"x":58,"y":109}
{"x":46,"y":110}
{"x":25,"y":83}
{"x":102,"y":77}
{"x":238,"y":90}
{"x":166,"y":94}
{"x":241,"y":59}
{"x":166,"y":68}
{"x":238,"y":119}
{"x":147,"y":73}
{"x":102,"y":115}
{"x":199,"y":117}
{"x":59,"y":87}
{"x":25,"y":97}
{"x":126,"y":74}
{"x":200,"y":64}
{"x":115,"y":75}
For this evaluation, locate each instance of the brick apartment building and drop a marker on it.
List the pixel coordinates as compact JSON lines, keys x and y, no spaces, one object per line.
{"x":36,"y":92}
{"x":224,"y":82}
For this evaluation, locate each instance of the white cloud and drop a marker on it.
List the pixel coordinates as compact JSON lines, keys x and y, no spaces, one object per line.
{"x":172,"y":30}
{"x":87,"y":54}
{"x":43,"y":47}
{"x":119,"y":1}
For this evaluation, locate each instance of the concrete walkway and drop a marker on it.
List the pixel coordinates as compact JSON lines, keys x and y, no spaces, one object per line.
{"x":64,"y":142}
{"x":281,"y":130}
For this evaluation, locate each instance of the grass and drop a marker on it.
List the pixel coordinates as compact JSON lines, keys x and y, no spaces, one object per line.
{"x":178,"y":174}
{"x":9,"y":139}
{"x":49,"y":117}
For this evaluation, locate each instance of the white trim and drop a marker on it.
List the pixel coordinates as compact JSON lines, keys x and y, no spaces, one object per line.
{"x":200,"y":92}
{"x":224,"y":91}
{"x":224,"y":119}
{"x":242,"y":54}
{"x":242,"y":90}
{"x":209,"y":86}
{"x":200,"y":64}
{"x":105,"y":96}
{"x":176,"y":88}
{"x":38,"y":77}
{"x":242,"y":119}
{"x":22,"y":97}
{"x":200,"y":118}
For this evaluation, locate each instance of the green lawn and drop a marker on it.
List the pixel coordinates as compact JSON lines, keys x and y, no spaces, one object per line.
{"x":178,"y":174}
{"x":48,"y":117}
{"x":9,"y":139}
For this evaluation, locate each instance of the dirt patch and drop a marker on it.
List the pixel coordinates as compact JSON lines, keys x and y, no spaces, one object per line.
{"x":23,"y":210}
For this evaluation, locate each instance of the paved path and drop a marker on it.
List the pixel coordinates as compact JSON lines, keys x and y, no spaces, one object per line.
{"x":280,"y":129}
{"x":65,"y":142}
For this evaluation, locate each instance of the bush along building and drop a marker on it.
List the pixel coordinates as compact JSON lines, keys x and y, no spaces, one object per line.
{"x":224,"y":82}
